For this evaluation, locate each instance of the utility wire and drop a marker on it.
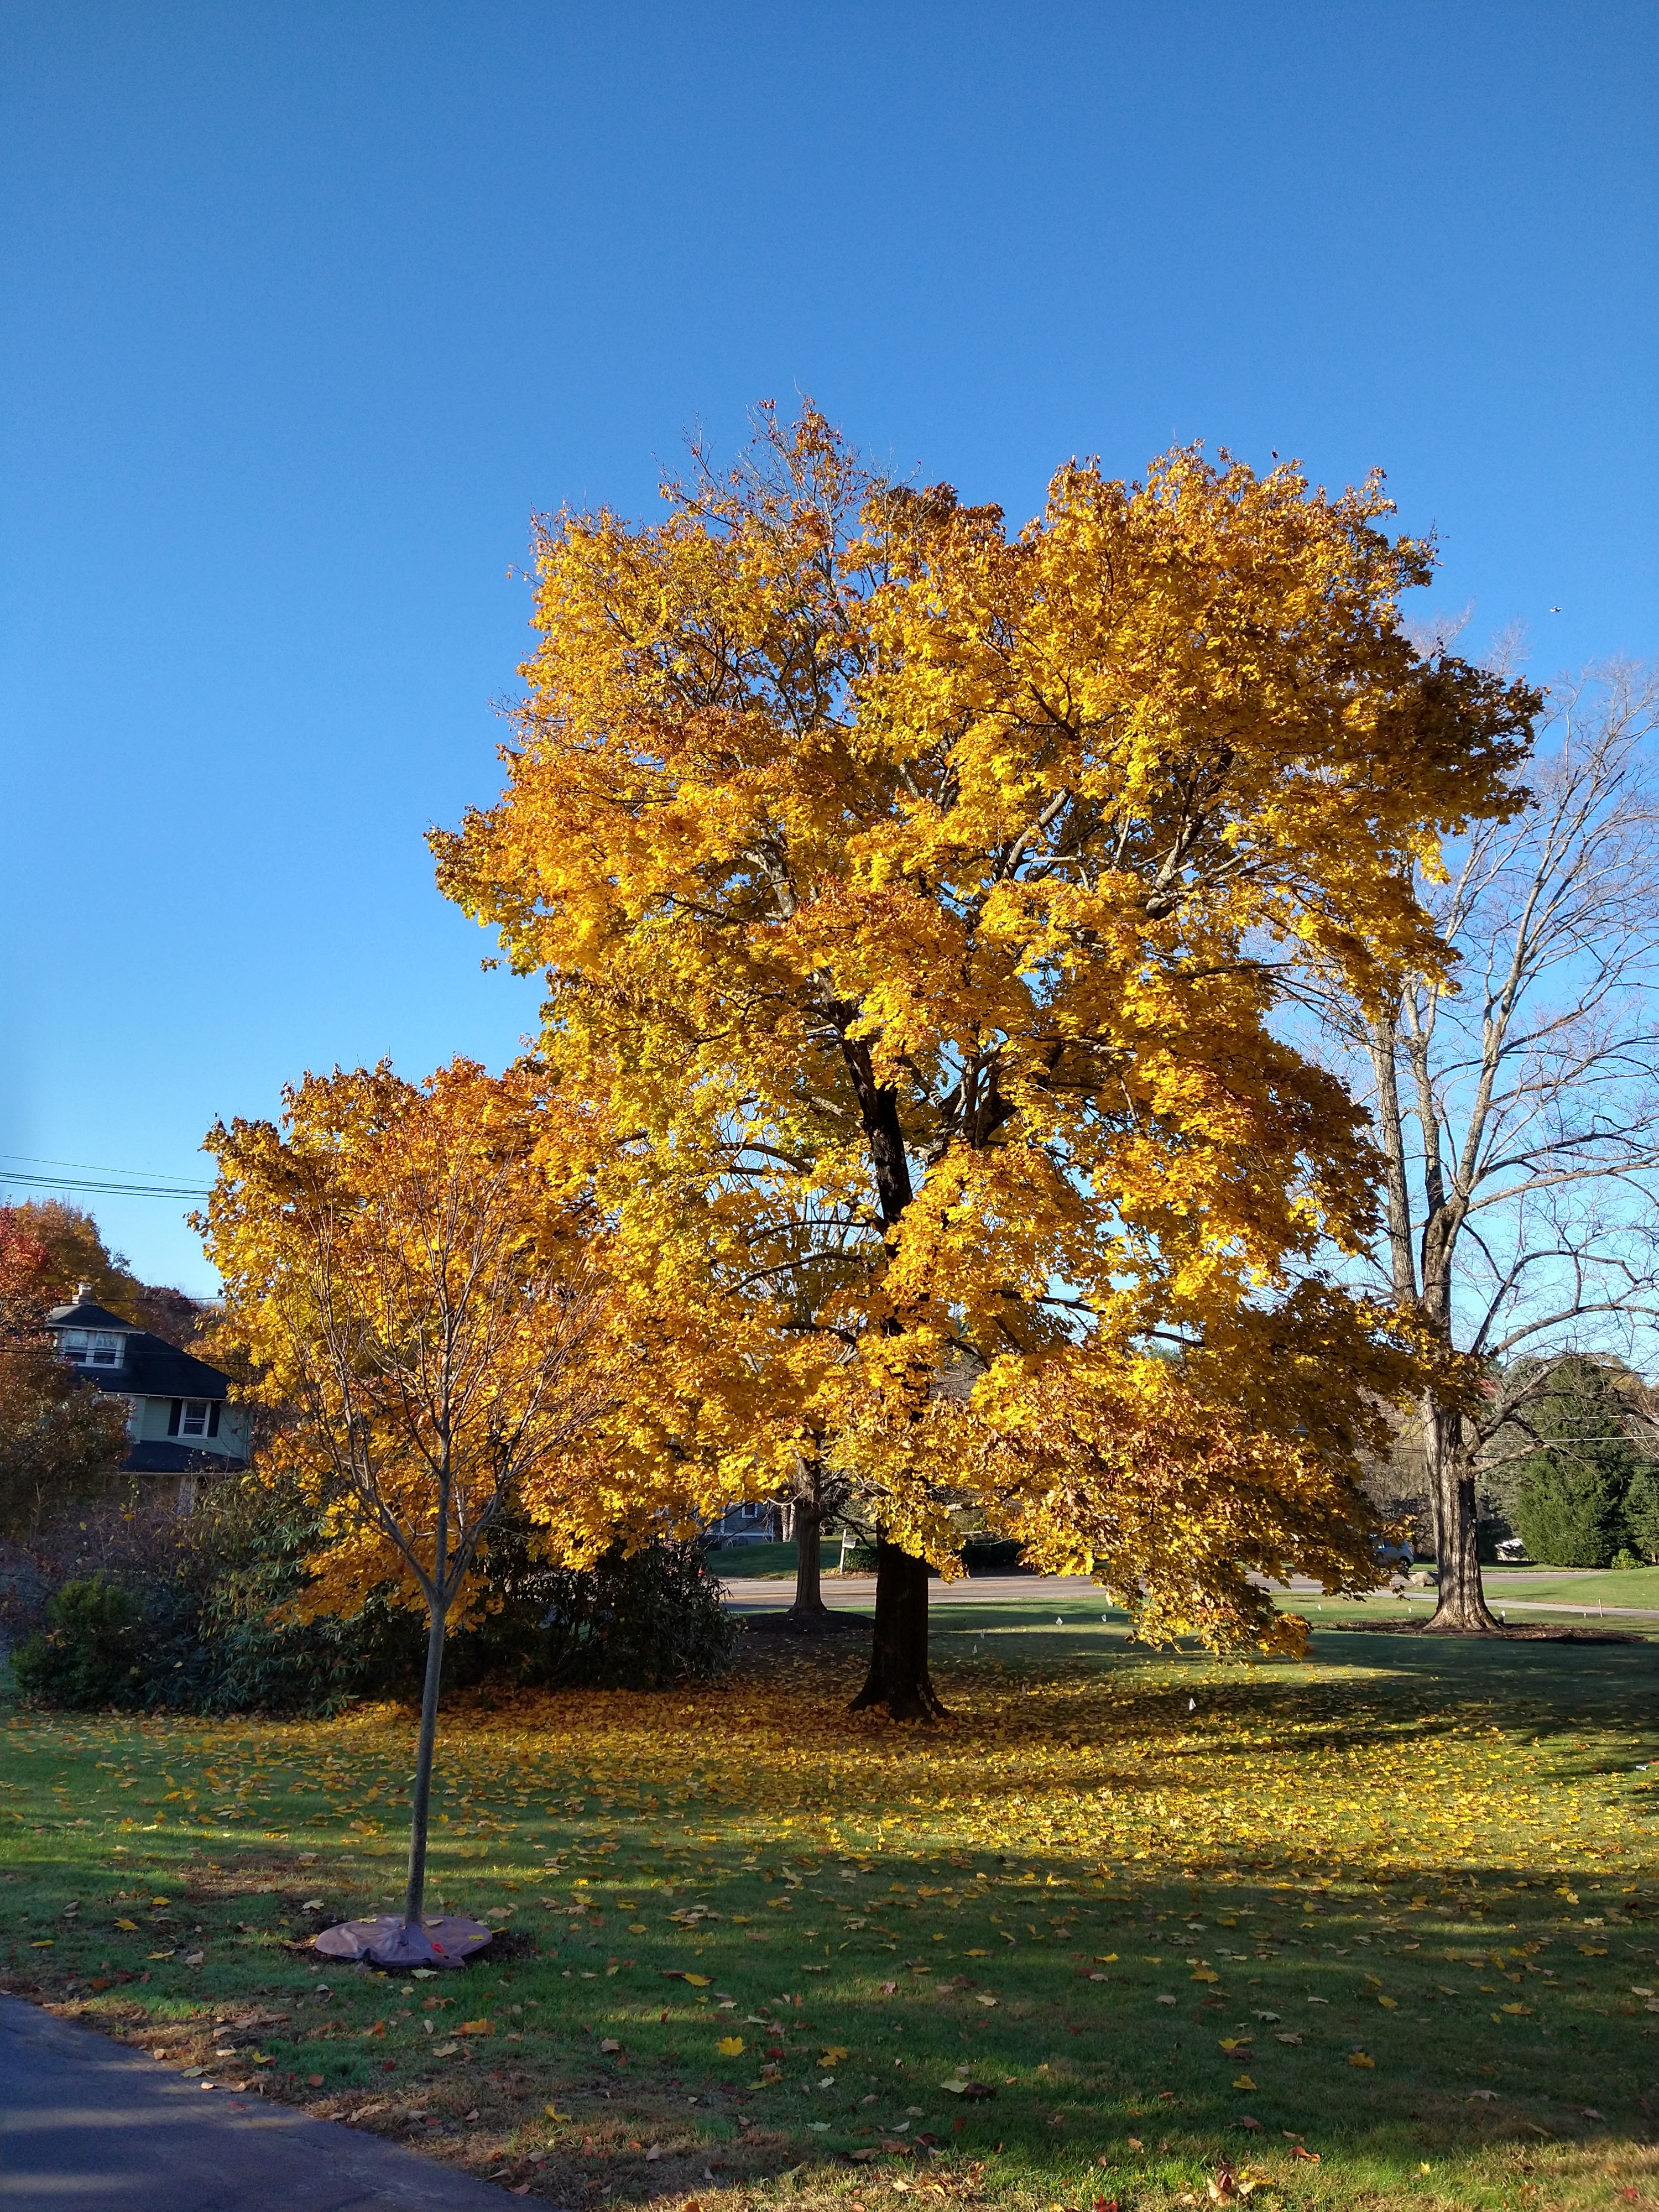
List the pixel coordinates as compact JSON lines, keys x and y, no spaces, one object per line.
{"x":87,"y":1167}
{"x":9,"y":1181}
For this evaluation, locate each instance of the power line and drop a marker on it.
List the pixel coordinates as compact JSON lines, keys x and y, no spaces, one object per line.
{"x":109,"y":1189}
{"x":86,"y":1167}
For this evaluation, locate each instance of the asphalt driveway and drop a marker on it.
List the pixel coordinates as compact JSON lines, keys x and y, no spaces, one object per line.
{"x":88,"y":2125}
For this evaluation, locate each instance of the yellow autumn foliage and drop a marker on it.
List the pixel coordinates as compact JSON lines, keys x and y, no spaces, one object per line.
{"x":916,"y":899}
{"x":419,"y":1279}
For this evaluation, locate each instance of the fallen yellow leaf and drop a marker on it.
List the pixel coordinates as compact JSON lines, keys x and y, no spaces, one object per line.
{"x":730,"y":2046}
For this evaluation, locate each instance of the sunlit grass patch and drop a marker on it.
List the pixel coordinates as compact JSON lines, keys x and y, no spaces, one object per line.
{"x":1141,"y":1902}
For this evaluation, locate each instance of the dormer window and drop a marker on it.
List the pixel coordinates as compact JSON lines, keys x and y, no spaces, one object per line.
{"x":95,"y":1348}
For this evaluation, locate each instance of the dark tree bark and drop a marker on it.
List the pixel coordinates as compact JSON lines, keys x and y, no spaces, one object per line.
{"x":1461,"y":1607}
{"x":809,"y":1609}
{"x":898,"y":1677}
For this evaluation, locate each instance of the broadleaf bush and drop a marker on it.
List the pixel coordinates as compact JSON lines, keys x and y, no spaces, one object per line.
{"x":200,"y":1617}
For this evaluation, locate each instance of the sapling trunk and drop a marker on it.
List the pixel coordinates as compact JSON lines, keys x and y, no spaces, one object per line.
{"x":421,"y":1799}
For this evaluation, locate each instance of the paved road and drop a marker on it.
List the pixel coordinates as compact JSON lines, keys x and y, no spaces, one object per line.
{"x":857,"y":1594}
{"x":88,"y":2126}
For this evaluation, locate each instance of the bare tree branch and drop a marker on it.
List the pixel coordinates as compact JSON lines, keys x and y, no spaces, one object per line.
{"x":1526,"y":1099}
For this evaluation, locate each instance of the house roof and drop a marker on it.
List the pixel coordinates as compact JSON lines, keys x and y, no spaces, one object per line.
{"x":157,"y":1456}
{"x":150,"y":1367}
{"x":83,"y":1314}
{"x":155,"y":1370}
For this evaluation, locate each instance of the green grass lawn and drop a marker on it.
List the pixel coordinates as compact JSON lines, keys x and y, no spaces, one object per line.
{"x":1608,"y":1585}
{"x":748,"y":1562}
{"x":764,"y":1562}
{"x":1515,"y":1599}
{"x":1379,"y":1929}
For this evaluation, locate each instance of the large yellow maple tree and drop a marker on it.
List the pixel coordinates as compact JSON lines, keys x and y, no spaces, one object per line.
{"x":916,"y":897}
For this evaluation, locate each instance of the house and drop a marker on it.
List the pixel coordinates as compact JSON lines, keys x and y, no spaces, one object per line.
{"x":179,"y":1412}
{"x":752,"y":1522}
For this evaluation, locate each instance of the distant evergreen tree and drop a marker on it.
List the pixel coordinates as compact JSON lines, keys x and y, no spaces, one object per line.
{"x":1642,"y":1511}
{"x":1570,"y":1493}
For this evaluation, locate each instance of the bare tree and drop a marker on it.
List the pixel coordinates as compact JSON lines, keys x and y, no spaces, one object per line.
{"x":1518,"y":1111}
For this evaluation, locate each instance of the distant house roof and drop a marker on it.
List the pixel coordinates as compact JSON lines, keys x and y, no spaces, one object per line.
{"x":150,"y":1367}
{"x":158,"y":1456}
{"x":83,"y":1314}
{"x":155,"y":1370}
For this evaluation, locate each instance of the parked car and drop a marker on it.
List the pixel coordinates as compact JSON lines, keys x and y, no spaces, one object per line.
{"x":1393,"y":1559}
{"x":1511,"y":1552}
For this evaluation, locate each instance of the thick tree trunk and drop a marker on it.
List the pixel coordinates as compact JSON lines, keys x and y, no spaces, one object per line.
{"x":898,"y":1677}
{"x":1461,"y":1609}
{"x":809,"y":1606}
{"x":421,"y":1801}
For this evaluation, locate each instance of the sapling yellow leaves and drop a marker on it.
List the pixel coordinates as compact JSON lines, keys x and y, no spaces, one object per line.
{"x":416,"y":1275}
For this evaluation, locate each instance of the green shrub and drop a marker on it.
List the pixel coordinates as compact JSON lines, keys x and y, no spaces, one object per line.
{"x":638,"y":1622}
{"x":91,"y":1653}
{"x":994,"y":1555}
{"x":981,"y":1554}
{"x":198,"y":1621}
{"x":239,"y":1649}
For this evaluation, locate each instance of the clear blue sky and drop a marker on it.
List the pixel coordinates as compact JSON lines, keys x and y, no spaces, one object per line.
{"x":306,"y":308}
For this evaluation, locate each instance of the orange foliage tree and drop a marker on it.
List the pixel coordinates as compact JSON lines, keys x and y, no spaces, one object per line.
{"x":918,"y":897}
{"x":413,"y":1272}
{"x":59,"y":1436}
